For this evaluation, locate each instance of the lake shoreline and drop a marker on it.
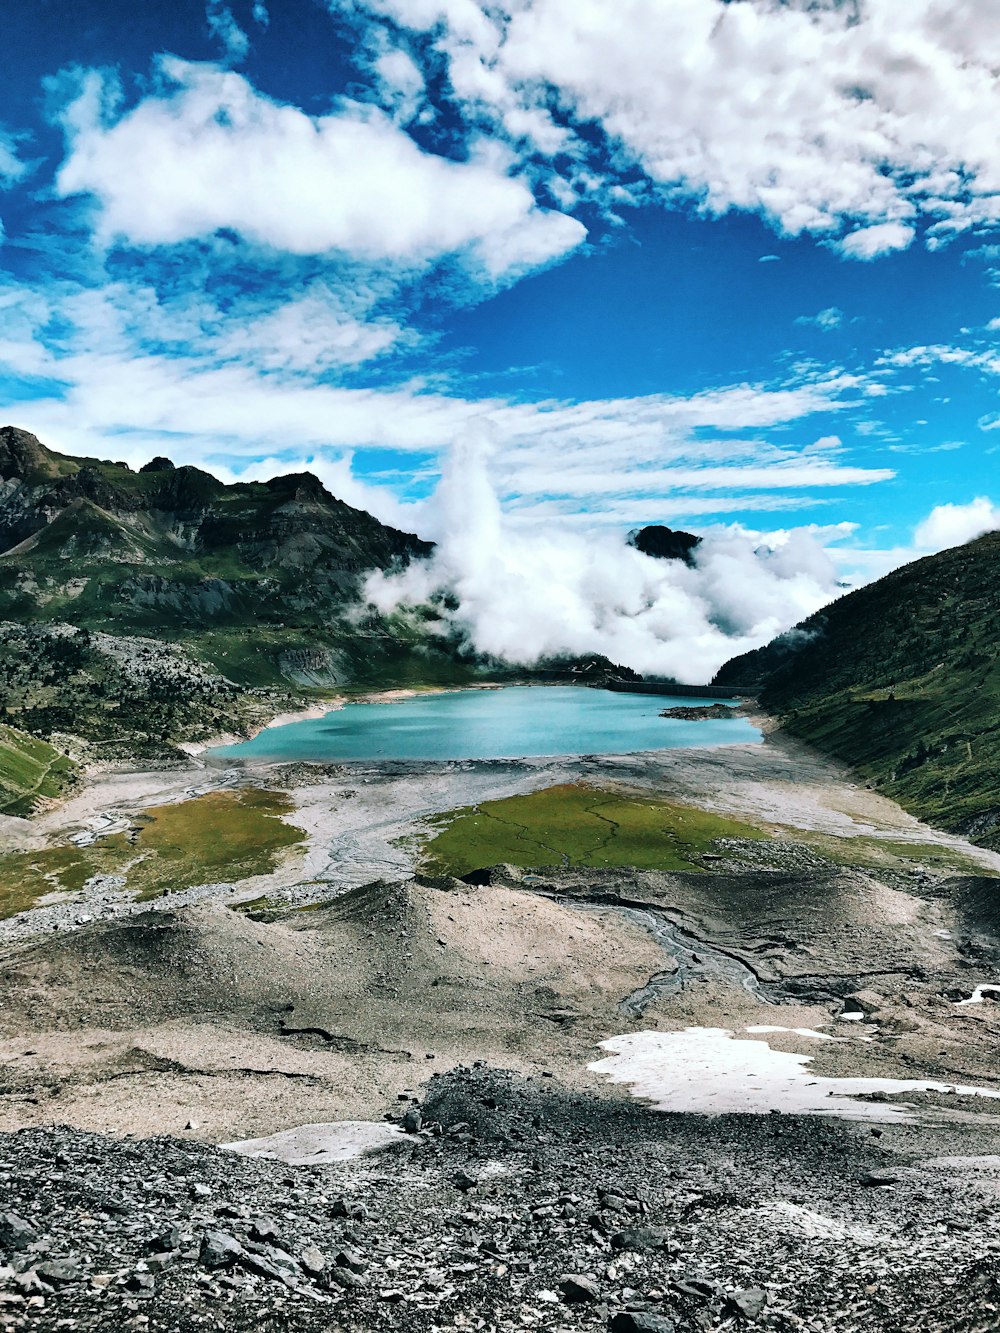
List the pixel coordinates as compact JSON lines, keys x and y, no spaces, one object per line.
{"x":452,"y":725}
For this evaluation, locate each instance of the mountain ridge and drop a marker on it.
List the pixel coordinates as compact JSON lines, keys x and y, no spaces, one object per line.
{"x":901,"y":680}
{"x":175,"y":553}
{"x":139,"y":610}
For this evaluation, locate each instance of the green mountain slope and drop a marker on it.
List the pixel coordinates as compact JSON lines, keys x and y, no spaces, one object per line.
{"x":30,"y":772}
{"x":260,"y":579}
{"x":901,"y":679}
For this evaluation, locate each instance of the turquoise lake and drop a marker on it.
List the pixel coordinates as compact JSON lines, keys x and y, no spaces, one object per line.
{"x":507,"y":723}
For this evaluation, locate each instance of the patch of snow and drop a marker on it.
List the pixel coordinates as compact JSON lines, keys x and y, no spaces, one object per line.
{"x":801,"y":1032}
{"x":317,"y":1145}
{"x":980,"y":993}
{"x":709,"y":1071}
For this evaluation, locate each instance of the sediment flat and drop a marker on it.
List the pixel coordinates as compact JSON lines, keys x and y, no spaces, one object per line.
{"x":356,"y":982}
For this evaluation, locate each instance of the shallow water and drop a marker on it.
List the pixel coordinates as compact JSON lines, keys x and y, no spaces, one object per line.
{"x":508,"y":723}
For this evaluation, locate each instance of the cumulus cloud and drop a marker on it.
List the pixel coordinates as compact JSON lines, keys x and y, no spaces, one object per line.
{"x":827,"y":320}
{"x":208,"y":152}
{"x":947,"y":525}
{"x":836,"y":119}
{"x":954,"y":524}
{"x":881,"y":239}
{"x":529,"y":591}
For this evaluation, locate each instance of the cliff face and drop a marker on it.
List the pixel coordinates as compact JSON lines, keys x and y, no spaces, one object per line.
{"x":175,"y":513}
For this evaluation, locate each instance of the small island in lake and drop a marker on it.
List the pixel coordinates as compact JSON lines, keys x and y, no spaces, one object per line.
{"x":700,"y":712}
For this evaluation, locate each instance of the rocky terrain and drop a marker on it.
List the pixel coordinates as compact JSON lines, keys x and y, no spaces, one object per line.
{"x":510,"y":1205}
{"x":516,"y":1186}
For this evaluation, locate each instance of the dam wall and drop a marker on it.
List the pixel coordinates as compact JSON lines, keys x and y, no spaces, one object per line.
{"x":668,"y":687}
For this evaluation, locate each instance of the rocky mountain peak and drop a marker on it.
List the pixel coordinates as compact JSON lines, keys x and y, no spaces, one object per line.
{"x":664,"y":543}
{"x":24,"y":456}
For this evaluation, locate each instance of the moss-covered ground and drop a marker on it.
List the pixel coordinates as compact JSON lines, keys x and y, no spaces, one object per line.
{"x":225,"y":836}
{"x":577,"y":825}
{"x":580,"y":825}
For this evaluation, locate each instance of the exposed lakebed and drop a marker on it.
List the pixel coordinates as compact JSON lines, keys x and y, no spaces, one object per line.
{"x":506,"y":723}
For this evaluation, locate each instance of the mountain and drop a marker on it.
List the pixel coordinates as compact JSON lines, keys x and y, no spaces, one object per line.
{"x":901,"y":679}
{"x":143,"y":609}
{"x":665,"y":543}
{"x":260,"y":579}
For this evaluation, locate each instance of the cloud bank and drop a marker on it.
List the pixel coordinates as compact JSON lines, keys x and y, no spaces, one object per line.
{"x":954,"y":524}
{"x":521,"y":591}
{"x":531,"y":591}
{"x":849,"y":120}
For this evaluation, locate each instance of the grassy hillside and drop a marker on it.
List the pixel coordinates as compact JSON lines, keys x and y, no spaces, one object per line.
{"x":901,"y":680}
{"x":30,"y":771}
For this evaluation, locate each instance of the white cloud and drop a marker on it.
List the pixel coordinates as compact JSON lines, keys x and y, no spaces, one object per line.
{"x":233,"y":386}
{"x":947,"y":525}
{"x":943,"y":354}
{"x":827,"y":320}
{"x":227,"y":32}
{"x":954,"y":524}
{"x":312,"y":332}
{"x":12,"y":169}
{"x":208,"y":152}
{"x":531,"y":590}
{"x":400,"y":83}
{"x":825,"y":117}
{"x":881,"y":239}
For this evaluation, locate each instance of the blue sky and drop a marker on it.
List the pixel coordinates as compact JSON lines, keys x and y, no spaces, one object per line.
{"x":680,"y":261}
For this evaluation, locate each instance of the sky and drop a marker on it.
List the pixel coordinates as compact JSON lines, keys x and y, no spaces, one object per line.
{"x":729,"y":265}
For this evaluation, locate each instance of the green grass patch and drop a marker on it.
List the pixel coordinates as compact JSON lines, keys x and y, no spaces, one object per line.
{"x":30,"y":770}
{"x":224,"y":836}
{"x":868,"y":853}
{"x":577,"y":825}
